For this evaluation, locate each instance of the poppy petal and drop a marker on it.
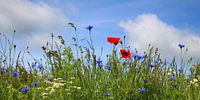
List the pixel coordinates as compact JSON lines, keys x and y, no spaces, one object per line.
{"x":113,"y":40}
{"x":125,"y":54}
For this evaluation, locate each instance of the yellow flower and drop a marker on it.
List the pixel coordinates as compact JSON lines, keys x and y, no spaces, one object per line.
{"x":72,"y":78}
{"x":196,"y":84}
{"x":56,"y":85}
{"x":62,"y":81}
{"x":62,"y":84}
{"x":78,"y":88}
{"x":169,"y":74}
{"x":195,"y":80}
{"x":44,"y":94}
{"x":59,"y":78}
{"x":48,"y":88}
{"x":69,"y":93}
{"x":70,"y":82}
{"x":191,"y":82}
{"x":52,"y":91}
{"x":44,"y":97}
{"x":39,"y":88}
{"x":67,"y":89}
{"x":74,"y":86}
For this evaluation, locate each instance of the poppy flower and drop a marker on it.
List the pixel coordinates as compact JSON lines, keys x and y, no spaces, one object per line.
{"x":125,"y":54}
{"x":114,"y":40}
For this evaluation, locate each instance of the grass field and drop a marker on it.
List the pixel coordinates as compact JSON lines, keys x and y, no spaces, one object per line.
{"x":66,"y":74}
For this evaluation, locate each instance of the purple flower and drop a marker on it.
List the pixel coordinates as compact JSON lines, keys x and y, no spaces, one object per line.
{"x":40,"y":66}
{"x":16,"y":74}
{"x":51,"y":68}
{"x":180,"y":70}
{"x":4,"y":70}
{"x":151,"y":65}
{"x":181,"y":46}
{"x":99,"y":61}
{"x":108,"y":67}
{"x":50,"y":79}
{"x":33,"y":64}
{"x":138,"y":56}
{"x":107,"y":94}
{"x":35,"y":83}
{"x":142,"y":90}
{"x":100,"y":64}
{"x":172,"y":78}
{"x":89,"y":27}
{"x":25,"y":89}
{"x":145,"y":81}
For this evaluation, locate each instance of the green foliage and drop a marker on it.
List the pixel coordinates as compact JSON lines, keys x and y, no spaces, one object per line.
{"x":84,"y":78}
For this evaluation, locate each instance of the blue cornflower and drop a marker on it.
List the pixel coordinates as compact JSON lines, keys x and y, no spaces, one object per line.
{"x":35,"y":83}
{"x":108,"y":67}
{"x":25,"y":89}
{"x":172,"y":78}
{"x":39,"y":66}
{"x":33,"y":64}
{"x":15,"y":74}
{"x":89,"y":27}
{"x":4,"y":70}
{"x":180,"y":70}
{"x":100,"y":64}
{"x":151,"y":65}
{"x":142,"y":90}
{"x":181,"y":46}
{"x":107,"y":94}
{"x":99,"y":61}
{"x":50,"y":79}
{"x":138,"y":56}
{"x":145,"y":81}
{"x":51,"y":68}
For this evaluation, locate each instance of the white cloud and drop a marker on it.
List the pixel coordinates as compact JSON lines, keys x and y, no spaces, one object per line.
{"x":28,"y":17}
{"x":148,"y":28}
{"x":32,"y":21}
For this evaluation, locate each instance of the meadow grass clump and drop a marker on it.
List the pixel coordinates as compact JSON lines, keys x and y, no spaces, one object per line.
{"x":68,"y":75}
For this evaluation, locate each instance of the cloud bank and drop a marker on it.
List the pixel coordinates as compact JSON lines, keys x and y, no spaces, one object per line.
{"x":32,"y":21}
{"x":149,"y":29}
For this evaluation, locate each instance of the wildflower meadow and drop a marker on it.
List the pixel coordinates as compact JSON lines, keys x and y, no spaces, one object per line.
{"x":75,"y":72}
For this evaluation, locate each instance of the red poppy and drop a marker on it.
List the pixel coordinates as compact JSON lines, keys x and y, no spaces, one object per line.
{"x":114,"y":40}
{"x":125,"y":54}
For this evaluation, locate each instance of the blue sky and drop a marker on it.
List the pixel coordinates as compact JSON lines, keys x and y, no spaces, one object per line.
{"x":163,"y":23}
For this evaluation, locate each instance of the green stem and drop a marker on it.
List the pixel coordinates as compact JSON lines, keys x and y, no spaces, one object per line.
{"x":76,"y":44}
